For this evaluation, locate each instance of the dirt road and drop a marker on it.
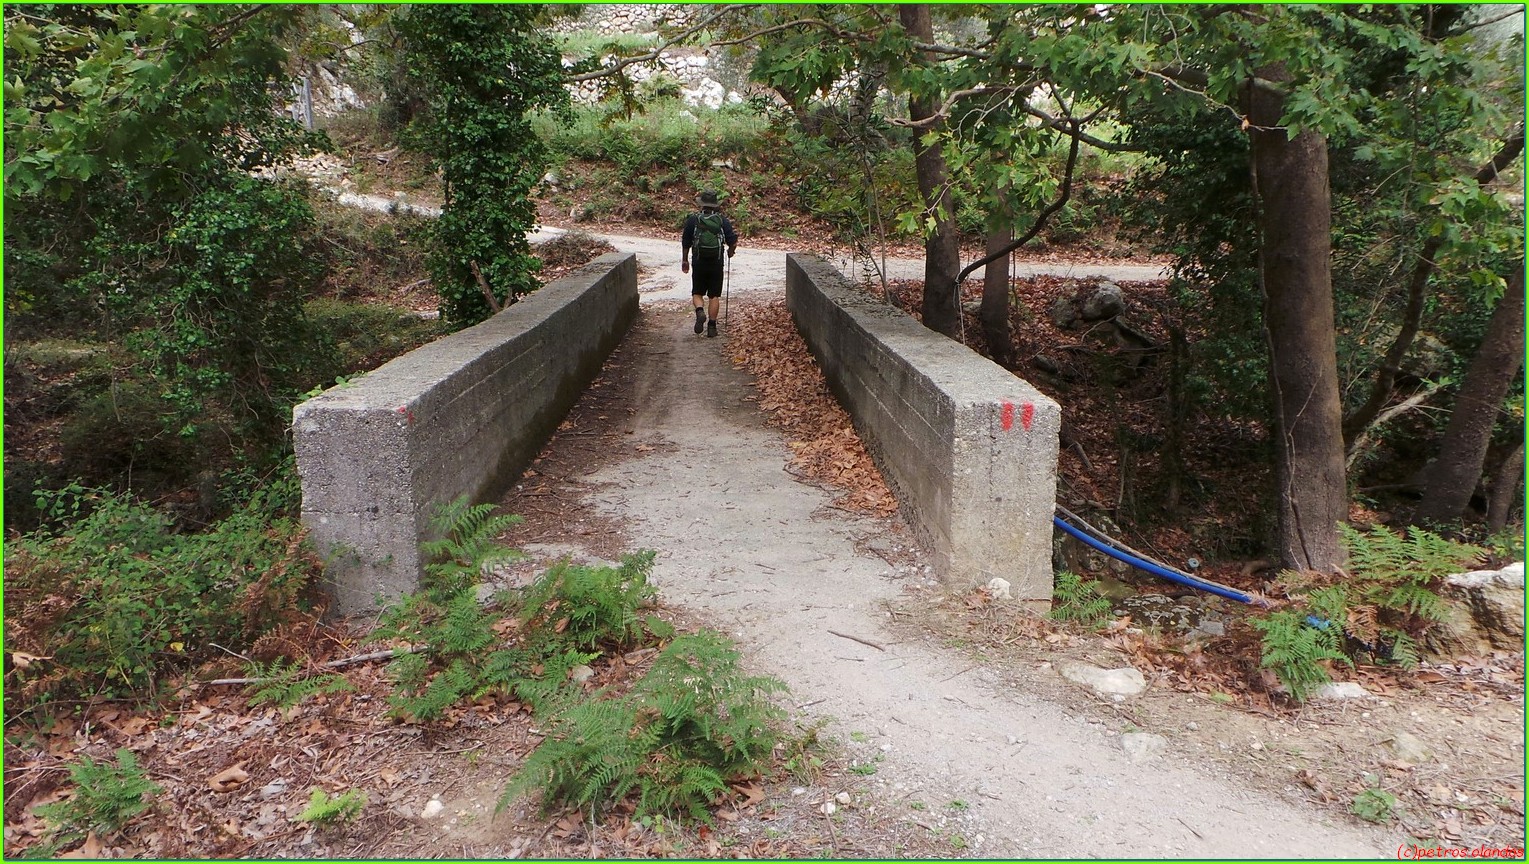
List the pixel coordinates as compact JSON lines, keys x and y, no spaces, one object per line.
{"x":764,"y":557}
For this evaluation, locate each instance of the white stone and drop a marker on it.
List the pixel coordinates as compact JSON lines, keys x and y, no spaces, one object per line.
{"x":842,"y":797}
{"x":1123,"y":682}
{"x":581,"y":673}
{"x":1338,"y":691}
{"x":829,"y":808}
{"x":1142,"y":746}
{"x":1408,"y":748}
{"x":433,"y":808}
{"x":999,"y":588}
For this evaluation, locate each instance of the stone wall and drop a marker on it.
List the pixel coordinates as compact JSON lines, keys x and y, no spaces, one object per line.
{"x":463,"y":415}
{"x":970,"y":449}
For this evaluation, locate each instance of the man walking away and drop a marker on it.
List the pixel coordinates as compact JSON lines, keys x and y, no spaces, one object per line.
{"x":706,"y":232}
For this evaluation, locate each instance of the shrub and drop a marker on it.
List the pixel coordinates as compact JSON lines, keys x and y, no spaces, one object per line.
{"x":117,"y":601}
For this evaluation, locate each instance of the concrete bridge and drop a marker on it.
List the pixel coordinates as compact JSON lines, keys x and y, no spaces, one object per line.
{"x":969,"y":448}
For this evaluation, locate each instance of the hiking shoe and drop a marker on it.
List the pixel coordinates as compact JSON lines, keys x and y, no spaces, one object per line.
{"x":700,"y":320}
{"x":711,"y":329}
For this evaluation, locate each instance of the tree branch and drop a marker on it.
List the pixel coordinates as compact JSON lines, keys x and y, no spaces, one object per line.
{"x":1040,"y":220}
{"x":1363,"y":441}
{"x":1412,"y":315}
{"x":649,"y":56}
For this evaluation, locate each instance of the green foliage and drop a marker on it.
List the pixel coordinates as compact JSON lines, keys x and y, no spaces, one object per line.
{"x":1419,"y":557}
{"x":665,"y":134}
{"x":593,"y":607}
{"x":483,"y":70}
{"x":106,"y":798}
{"x":130,"y":135}
{"x":691,"y":724}
{"x":1077,"y":600}
{"x":1374,"y":805}
{"x":1295,"y":651}
{"x":285,"y":684}
{"x":466,"y":545}
{"x":118,"y":600}
{"x":325,"y":810}
{"x":1377,"y":610}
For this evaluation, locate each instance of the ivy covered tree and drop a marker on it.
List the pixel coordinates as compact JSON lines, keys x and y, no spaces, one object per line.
{"x":483,"y":70}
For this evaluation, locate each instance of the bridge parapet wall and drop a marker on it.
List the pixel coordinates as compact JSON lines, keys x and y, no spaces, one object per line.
{"x":969,"y":449}
{"x":462,"y":415}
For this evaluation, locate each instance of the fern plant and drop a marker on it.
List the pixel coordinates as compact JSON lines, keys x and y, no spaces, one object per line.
{"x":325,"y":810}
{"x":593,"y":606}
{"x":285,"y":684}
{"x":691,"y":724}
{"x":106,"y":798}
{"x":1077,"y":600}
{"x":466,"y":545}
{"x":1295,"y":650}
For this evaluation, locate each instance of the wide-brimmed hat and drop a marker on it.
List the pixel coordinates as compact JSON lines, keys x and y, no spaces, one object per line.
{"x":708,"y":199}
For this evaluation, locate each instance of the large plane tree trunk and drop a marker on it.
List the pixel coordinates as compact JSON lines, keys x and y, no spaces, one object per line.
{"x":1453,"y":477}
{"x":1290,"y":179}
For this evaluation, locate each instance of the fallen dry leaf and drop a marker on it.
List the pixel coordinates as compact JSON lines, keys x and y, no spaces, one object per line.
{"x":91,"y":848}
{"x":229,"y":778}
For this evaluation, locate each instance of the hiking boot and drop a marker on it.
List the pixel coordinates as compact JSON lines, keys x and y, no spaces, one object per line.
{"x":711,"y":329}
{"x":700,"y":320}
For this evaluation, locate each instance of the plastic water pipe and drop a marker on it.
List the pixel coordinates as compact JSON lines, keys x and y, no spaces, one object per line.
{"x":1150,"y":567}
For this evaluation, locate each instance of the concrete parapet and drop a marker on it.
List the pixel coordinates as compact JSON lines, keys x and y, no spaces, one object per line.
{"x":462,"y":415}
{"x":969,"y":449}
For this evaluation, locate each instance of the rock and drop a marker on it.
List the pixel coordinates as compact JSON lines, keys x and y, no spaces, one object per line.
{"x":1062,"y":313}
{"x":1107,"y":301}
{"x":1122,"y":682}
{"x":1141,"y":746}
{"x":581,"y":673}
{"x":1338,"y":691}
{"x":999,"y":588}
{"x":829,"y":808}
{"x":842,"y":798}
{"x":1111,"y":588}
{"x":1407,"y":747}
{"x":1495,"y":599}
{"x":433,"y":808}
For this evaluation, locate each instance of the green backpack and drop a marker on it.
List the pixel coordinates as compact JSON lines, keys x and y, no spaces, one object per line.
{"x":708,"y":236}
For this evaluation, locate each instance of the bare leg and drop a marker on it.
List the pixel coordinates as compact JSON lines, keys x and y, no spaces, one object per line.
{"x":716,"y":303}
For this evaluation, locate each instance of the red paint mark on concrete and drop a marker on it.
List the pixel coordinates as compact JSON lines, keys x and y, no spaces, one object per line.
{"x":1027,"y":416}
{"x":1008,"y":416}
{"x":408,"y":416}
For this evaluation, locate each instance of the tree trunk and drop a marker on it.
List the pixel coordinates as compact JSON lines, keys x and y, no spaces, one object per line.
{"x":942,"y":253}
{"x":1290,"y":182}
{"x":1510,"y":474}
{"x":995,"y":300}
{"x":1453,"y":476}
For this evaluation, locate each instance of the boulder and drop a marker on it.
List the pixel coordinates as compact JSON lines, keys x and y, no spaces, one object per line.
{"x":1484,"y":609}
{"x":1107,"y":301}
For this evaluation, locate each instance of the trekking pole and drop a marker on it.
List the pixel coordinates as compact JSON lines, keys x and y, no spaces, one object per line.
{"x":727,"y":292}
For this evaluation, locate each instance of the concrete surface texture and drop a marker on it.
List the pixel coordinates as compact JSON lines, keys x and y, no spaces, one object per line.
{"x":460,"y":416}
{"x":970,"y":449}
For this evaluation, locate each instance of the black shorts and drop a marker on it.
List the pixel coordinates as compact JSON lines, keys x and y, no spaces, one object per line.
{"x":706,"y":278}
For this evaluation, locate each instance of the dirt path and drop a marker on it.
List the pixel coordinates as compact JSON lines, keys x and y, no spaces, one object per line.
{"x":769,"y":560}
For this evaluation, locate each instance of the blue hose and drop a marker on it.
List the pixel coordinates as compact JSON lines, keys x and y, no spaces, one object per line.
{"x":1154,"y":569}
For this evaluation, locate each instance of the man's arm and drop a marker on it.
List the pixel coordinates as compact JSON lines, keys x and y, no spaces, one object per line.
{"x":730,"y":236}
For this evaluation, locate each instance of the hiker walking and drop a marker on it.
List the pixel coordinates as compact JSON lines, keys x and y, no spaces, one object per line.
{"x":707,"y":232}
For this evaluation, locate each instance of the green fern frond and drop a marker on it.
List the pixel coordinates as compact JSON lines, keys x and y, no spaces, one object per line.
{"x":1076,"y":600}
{"x":1403,"y":648}
{"x":288,"y":684}
{"x":1295,"y":650}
